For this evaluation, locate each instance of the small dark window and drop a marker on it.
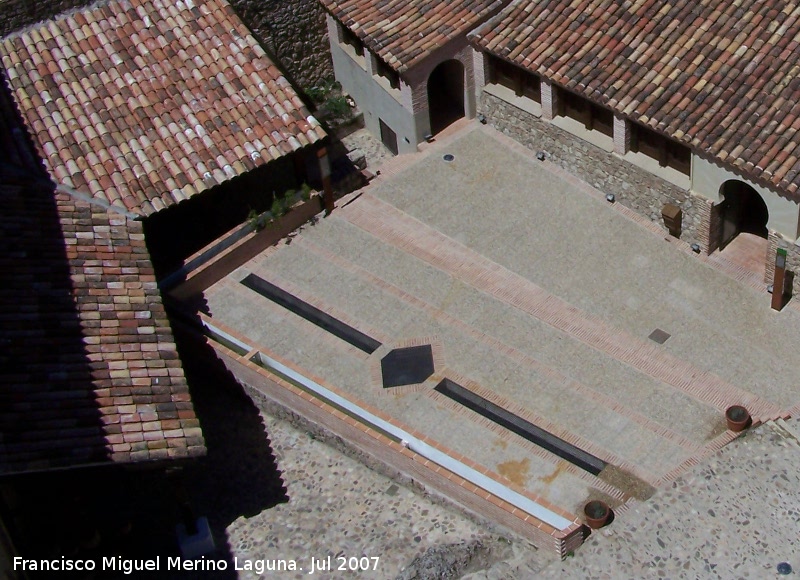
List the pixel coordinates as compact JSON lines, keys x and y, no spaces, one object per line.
{"x":532,"y":87}
{"x":679,"y":157}
{"x":668,"y":153}
{"x":522,"y":82}
{"x":647,"y":142}
{"x":602,"y":120}
{"x":384,"y":70}
{"x":576,"y":107}
{"x":505,"y":74}
{"x":592,"y":116}
{"x":350,"y":39}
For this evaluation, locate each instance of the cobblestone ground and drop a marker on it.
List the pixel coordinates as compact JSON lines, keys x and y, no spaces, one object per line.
{"x":273,"y":491}
{"x":373,"y":149}
{"x":339,"y":508}
{"x":734,"y":516}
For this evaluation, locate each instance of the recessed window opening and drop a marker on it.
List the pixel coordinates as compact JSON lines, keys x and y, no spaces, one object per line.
{"x":384,"y":70}
{"x":349,"y":38}
{"x":668,"y":153}
{"x":592,"y":116}
{"x":522,"y":82}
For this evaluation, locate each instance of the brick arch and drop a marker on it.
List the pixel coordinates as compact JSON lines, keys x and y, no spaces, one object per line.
{"x":416,"y":87}
{"x":742,"y":210}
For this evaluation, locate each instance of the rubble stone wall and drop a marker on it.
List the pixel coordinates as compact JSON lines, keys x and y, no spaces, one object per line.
{"x":16,"y":14}
{"x":293,"y":31}
{"x":633,"y":187}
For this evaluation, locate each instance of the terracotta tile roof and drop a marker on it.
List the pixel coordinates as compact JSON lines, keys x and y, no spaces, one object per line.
{"x":148,"y":102}
{"x":719,"y":75}
{"x":405,"y":32}
{"x":88,"y":368}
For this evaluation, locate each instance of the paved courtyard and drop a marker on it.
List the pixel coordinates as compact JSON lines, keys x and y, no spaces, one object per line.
{"x":538,"y":296}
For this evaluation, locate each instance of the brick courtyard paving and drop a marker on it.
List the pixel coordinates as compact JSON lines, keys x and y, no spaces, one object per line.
{"x":541,"y":298}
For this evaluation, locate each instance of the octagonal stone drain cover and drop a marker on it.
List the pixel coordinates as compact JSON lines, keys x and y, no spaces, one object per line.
{"x":407,"y":366}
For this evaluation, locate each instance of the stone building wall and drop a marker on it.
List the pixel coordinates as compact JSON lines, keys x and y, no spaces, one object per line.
{"x":16,"y":14}
{"x":294,"y":32}
{"x":792,"y":259}
{"x":633,"y":187}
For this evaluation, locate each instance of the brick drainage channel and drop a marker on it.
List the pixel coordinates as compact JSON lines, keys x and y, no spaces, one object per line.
{"x":530,"y":518}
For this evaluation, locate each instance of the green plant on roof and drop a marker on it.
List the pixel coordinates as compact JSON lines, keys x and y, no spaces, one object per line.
{"x":318,"y":93}
{"x":305,"y":191}
{"x":337,"y":106}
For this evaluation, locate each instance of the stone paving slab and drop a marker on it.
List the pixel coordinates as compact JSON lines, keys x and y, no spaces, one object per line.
{"x":596,"y":424}
{"x":637,"y":283}
{"x":465,"y":303}
{"x":508,"y":456}
{"x":513,"y":313}
{"x":389,"y":224}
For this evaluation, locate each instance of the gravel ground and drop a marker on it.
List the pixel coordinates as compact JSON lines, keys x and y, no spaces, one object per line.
{"x":340,"y":509}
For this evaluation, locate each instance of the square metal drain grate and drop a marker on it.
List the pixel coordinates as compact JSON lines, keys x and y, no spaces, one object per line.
{"x":659,"y":336}
{"x":407,"y":366}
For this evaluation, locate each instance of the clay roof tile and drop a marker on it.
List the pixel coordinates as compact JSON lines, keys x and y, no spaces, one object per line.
{"x":675,"y":67}
{"x":121,"y":93}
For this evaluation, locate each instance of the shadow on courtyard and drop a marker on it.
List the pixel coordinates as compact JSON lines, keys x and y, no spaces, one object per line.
{"x":239,"y":477}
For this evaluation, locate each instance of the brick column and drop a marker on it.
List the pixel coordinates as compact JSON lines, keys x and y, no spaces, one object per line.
{"x":772,"y":247}
{"x":549,"y":100}
{"x":622,"y":135}
{"x":708,"y":229}
{"x":481,"y":71}
{"x":471,"y":89}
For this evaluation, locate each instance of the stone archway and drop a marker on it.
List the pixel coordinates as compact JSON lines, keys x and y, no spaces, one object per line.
{"x":446,"y":94}
{"x":742,"y":211}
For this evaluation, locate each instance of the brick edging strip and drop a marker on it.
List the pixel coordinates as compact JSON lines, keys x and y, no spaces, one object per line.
{"x":398,"y":457}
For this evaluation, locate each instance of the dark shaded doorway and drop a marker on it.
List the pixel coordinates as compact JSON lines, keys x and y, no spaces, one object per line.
{"x":742,"y":211}
{"x":388,"y":137}
{"x":446,"y":95}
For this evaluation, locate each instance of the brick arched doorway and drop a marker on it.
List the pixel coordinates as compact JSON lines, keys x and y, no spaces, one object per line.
{"x":742,"y":211}
{"x":446,"y":94}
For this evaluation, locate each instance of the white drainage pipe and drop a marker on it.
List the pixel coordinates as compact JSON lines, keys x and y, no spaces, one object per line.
{"x":473,"y":476}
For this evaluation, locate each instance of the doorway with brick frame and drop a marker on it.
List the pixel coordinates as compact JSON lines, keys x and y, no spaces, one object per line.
{"x":446,"y":95}
{"x":743,"y":217}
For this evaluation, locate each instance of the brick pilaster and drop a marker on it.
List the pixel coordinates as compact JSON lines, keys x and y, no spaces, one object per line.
{"x":772,"y":248}
{"x":480,"y":67}
{"x":708,"y":230}
{"x":622,"y":135}
{"x":549,"y":100}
